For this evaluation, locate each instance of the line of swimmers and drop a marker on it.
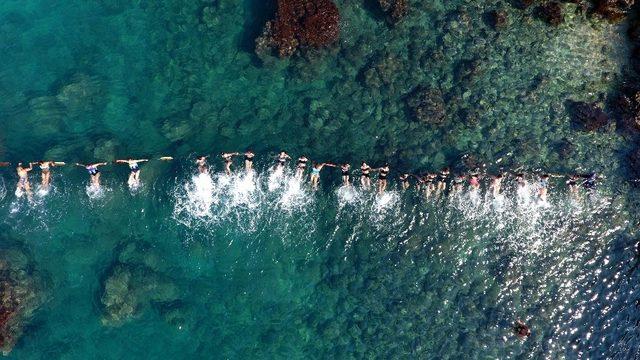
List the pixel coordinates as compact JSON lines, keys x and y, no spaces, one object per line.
{"x":430,"y":183}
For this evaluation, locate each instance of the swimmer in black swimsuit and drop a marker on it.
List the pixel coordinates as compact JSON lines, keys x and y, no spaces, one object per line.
{"x":301,"y":166}
{"x":203,"y":168}
{"x":346,"y":178}
{"x":442,"y":179}
{"x":45,"y":169}
{"x":365,"y":177}
{"x":134,"y":174}
{"x":383,"y":173}
{"x":404,"y":181}
{"x":572,"y":183}
{"x":228,"y":160}
{"x":283,"y":157}
{"x":458,"y":183}
{"x":94,"y":172}
{"x":248,"y":160}
{"x":428,"y":182}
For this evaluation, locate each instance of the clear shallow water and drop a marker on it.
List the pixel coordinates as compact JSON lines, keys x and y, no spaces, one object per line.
{"x":262,"y":267}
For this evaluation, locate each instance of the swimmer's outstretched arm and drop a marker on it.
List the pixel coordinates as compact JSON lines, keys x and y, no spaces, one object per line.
{"x":330,"y":165}
{"x":58,"y":163}
{"x":3,"y":164}
{"x":167,"y":158}
{"x":82,"y":165}
{"x":141,"y":160}
{"x":30,"y":167}
{"x":122,"y":161}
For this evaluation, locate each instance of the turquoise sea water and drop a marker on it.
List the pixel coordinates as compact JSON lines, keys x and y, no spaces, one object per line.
{"x":261,"y":267}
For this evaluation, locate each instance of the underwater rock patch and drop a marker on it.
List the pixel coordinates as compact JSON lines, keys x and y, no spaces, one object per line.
{"x":551,"y":12}
{"x":300,"y":24}
{"x":613,"y":10}
{"x":427,"y":105}
{"x":395,"y":10}
{"x":589,"y":116}
{"x":498,"y":19}
{"x":21,"y":291}
{"x":135,"y":283}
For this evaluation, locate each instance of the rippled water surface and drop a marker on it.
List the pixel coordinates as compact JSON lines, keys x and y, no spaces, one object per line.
{"x":257,"y":265}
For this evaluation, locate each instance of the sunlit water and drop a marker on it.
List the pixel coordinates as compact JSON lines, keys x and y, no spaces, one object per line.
{"x":288,"y":270}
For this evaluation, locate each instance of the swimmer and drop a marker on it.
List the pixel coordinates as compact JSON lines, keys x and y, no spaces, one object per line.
{"x":521,"y":181}
{"x":458,"y":183}
{"x":23,"y":178}
{"x":228,"y":160}
{"x":94,"y":172}
{"x":315,"y":173}
{"x":429,"y":187}
{"x":383,"y":172}
{"x":543,"y":189}
{"x":474,"y":182}
{"x":590,"y":182}
{"x":203,"y":168}
{"x":301,"y":167}
{"x":572,"y":183}
{"x":134,"y":175}
{"x":442,"y":179}
{"x":404,"y":181}
{"x":248,"y":160}
{"x":521,"y":329}
{"x":45,"y":169}
{"x":496,"y":184}
{"x":365,"y":177}
{"x":283,"y":157}
{"x":346,"y":178}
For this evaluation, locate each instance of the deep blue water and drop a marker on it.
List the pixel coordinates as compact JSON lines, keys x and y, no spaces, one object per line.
{"x":261,"y":266}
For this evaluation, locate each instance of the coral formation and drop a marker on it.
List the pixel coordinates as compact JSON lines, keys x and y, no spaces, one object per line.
{"x":300,"y":24}
{"x":395,"y":10}
{"x":551,"y":12}
{"x":613,"y":10}
{"x":428,"y":105}
{"x":135,"y":283}
{"x":589,"y":116}
{"x":21,"y":291}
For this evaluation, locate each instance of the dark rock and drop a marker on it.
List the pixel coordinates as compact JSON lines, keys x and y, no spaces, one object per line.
{"x":135,"y":283}
{"x":566,"y":149}
{"x":551,"y":12}
{"x":428,"y":105}
{"x":613,"y":10}
{"x":395,"y":10}
{"x":629,"y":109}
{"x":634,"y":31}
{"x":300,"y":24}
{"x":21,"y":296}
{"x":634,"y":162}
{"x":589,"y":116}
{"x":498,"y":19}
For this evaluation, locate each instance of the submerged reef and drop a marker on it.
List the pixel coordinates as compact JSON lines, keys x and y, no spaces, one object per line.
{"x":613,"y":10}
{"x":395,"y":10}
{"x":21,"y":289}
{"x":300,"y":24}
{"x":589,"y":116}
{"x":136,"y":282}
{"x":551,"y":12}
{"x":428,"y":106}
